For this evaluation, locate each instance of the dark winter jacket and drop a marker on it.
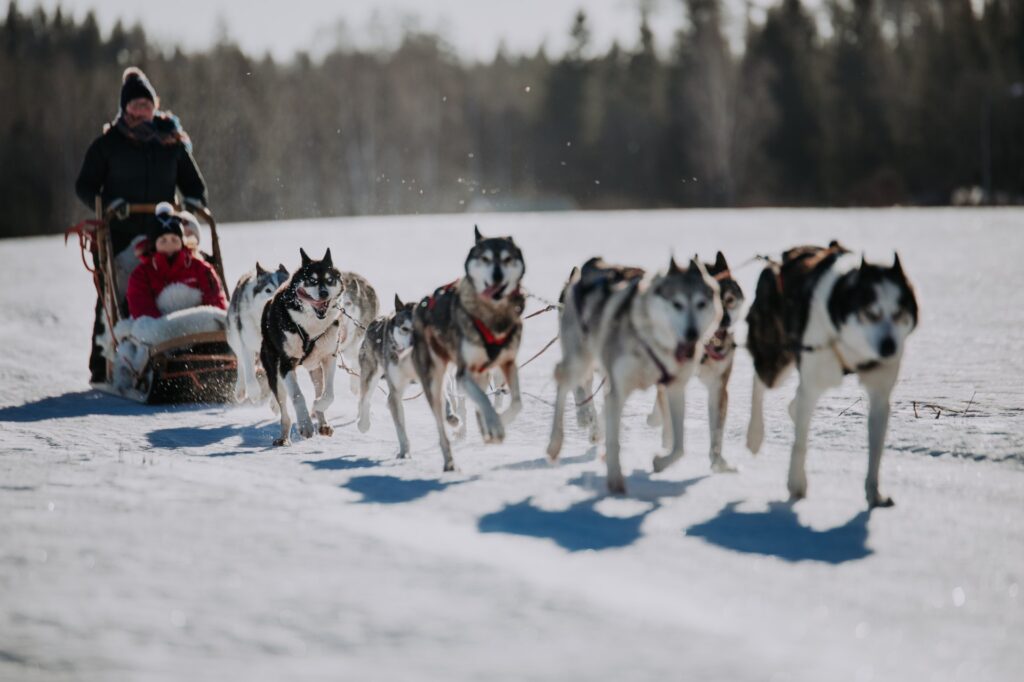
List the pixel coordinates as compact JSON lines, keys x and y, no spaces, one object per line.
{"x":117,"y":167}
{"x":154,"y":274}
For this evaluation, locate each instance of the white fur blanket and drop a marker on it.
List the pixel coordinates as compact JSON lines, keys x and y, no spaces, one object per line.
{"x":135,"y":338}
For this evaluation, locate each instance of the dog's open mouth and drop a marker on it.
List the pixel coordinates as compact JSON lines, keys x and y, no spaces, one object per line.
{"x":715,"y":348}
{"x":495,"y":291}
{"x":319,"y":305}
{"x":685,"y":351}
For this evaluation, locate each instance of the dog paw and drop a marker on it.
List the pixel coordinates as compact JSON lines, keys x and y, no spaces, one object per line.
{"x":797,"y":490}
{"x":449,"y":466}
{"x":326,"y":430}
{"x":755,"y":437}
{"x":879,"y":500}
{"x":281,"y":442}
{"x":654,"y":418}
{"x":402,"y":454}
{"x":306,"y":430}
{"x":616,"y":485}
{"x":662,"y":462}
{"x":720,"y":466}
{"x":494,"y":434}
{"x":363,"y":424}
{"x":554,"y":448}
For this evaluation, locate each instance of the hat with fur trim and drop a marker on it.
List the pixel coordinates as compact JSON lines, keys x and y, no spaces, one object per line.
{"x":135,"y":85}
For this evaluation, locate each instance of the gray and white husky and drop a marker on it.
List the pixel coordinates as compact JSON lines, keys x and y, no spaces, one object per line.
{"x":253,"y":291}
{"x":300,"y":328}
{"x":640,"y":332}
{"x":386,"y":352}
{"x":474,"y":323}
{"x":830,"y":313}
{"x":715,"y":366}
{"x":359,"y":307}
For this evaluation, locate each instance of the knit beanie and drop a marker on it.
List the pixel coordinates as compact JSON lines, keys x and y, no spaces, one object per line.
{"x":134,"y":85}
{"x":165,"y":221}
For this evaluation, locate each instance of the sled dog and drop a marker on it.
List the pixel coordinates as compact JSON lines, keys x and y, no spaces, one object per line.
{"x":474,"y":323}
{"x":639,"y":332}
{"x":245,"y":336}
{"x":301,"y":328}
{"x":386,"y":352}
{"x":829,"y":313}
{"x":715,"y":366}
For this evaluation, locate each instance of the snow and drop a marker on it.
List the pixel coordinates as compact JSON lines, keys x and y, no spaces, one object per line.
{"x":141,"y":543}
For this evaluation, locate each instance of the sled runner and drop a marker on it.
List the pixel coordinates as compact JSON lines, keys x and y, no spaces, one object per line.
{"x":193,"y":366}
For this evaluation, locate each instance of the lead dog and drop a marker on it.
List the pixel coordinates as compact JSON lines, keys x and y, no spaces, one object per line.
{"x":300,"y":328}
{"x":476,"y":324}
{"x":386,"y":352}
{"x":245,"y":311}
{"x":715,"y":366}
{"x":829,"y":313}
{"x":641,"y":332}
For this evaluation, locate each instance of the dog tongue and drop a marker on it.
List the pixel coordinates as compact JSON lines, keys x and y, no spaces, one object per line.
{"x":490,"y":291}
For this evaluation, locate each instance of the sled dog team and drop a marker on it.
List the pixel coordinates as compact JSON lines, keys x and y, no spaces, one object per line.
{"x":823,"y":310}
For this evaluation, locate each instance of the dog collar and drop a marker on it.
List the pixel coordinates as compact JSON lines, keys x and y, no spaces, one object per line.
{"x":493,"y":343}
{"x":666,"y":377}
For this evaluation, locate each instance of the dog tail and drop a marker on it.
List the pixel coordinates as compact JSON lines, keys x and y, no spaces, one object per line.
{"x":574,"y":276}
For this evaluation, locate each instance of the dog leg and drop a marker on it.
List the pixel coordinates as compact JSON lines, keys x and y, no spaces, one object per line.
{"x":806,"y":399}
{"x":493,"y":430}
{"x":558,"y":427}
{"x":879,"y":384}
{"x":511,"y":373}
{"x":675,"y":396}
{"x":664,"y":419}
{"x":395,"y":393}
{"x":323,"y":382}
{"x":433,"y":389}
{"x":245,"y":361}
{"x":368,"y":380}
{"x":499,"y":387}
{"x":755,"y":430}
{"x":718,"y":406}
{"x":351,"y":355}
{"x":280,"y":397}
{"x":291,"y":381}
{"x":613,"y":418}
{"x":586,"y":415}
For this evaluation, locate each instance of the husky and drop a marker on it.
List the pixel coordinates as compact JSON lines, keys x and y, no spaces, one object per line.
{"x":245,"y":336}
{"x":829,"y":313}
{"x":474,"y":323}
{"x":386,"y":352}
{"x":640,"y":332}
{"x":715,"y":366}
{"x":359,"y":307}
{"x":300,"y":326}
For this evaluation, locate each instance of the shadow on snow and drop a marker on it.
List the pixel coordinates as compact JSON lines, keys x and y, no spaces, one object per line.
{"x":582,"y":526}
{"x":392,"y":490}
{"x":779,"y":533}
{"x":84,"y":404}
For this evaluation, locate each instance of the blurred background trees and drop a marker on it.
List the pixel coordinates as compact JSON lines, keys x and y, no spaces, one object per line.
{"x":863,"y":102}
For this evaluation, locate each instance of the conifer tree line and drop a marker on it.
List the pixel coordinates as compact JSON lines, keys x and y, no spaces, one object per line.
{"x":884,"y":102}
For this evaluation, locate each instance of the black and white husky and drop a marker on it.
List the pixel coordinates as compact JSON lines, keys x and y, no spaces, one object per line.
{"x":301,"y":328}
{"x":387,"y":352}
{"x":245,"y":336}
{"x":715,"y":366}
{"x":474,"y":323}
{"x":640,"y":332}
{"x":830,"y":313}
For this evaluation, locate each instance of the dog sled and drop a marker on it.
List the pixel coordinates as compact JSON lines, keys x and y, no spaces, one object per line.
{"x":194,"y":365}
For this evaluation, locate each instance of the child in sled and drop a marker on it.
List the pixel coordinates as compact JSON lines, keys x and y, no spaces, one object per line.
{"x":172,"y":275}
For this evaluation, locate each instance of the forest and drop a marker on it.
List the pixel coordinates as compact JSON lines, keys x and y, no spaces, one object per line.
{"x":859,"y":103}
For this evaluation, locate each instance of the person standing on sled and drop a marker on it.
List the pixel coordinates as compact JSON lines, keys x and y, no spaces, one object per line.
{"x":142,"y":157}
{"x":171,"y":277}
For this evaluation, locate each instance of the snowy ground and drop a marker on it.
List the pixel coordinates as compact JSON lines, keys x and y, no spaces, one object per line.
{"x":166,"y":544}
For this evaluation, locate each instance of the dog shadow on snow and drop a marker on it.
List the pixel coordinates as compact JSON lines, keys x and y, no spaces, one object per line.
{"x":778,"y":532}
{"x":583,"y":526}
{"x":254,"y":437}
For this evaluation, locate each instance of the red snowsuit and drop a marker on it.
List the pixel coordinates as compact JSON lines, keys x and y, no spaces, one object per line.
{"x":155,"y":272}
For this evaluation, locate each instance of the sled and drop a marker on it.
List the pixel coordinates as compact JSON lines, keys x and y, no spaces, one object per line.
{"x":192,"y":368}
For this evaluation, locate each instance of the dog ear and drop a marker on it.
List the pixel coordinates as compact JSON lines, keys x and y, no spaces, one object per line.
{"x":720,"y":264}
{"x":476,"y":234}
{"x":259,"y":270}
{"x":863,"y":260}
{"x":673,"y":267}
{"x":327,"y":258}
{"x":897,"y":267}
{"x":282,"y":269}
{"x":398,"y":303}
{"x":306,"y":260}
